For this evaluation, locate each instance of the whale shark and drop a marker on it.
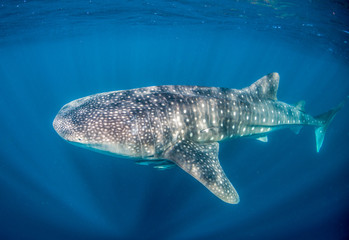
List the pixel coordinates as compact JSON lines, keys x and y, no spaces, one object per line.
{"x":176,"y":125}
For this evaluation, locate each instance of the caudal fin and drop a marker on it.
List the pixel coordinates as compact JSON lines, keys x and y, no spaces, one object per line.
{"x":326,"y":118}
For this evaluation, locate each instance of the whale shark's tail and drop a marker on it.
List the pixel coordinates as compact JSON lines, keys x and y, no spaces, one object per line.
{"x":325,"y":118}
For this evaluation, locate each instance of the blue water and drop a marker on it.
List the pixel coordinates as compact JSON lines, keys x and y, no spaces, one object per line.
{"x":52,"y":52}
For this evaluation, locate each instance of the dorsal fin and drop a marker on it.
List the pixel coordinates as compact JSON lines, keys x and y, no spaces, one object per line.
{"x":300,"y":105}
{"x":265,"y":87}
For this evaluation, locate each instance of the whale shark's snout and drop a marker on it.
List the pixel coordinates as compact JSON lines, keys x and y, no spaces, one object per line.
{"x":69,"y":122}
{"x":62,"y":127}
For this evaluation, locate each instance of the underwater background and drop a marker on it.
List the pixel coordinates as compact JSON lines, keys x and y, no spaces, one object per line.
{"x":52,"y":52}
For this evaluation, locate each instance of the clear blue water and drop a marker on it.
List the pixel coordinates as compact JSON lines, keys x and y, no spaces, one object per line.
{"x":52,"y":52}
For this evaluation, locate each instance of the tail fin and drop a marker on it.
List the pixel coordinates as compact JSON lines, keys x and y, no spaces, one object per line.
{"x":326,"y":118}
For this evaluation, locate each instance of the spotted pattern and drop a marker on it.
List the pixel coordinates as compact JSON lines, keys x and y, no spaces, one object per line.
{"x":181,"y":124}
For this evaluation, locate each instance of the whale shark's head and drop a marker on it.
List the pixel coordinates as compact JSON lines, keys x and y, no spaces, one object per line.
{"x":100,"y":122}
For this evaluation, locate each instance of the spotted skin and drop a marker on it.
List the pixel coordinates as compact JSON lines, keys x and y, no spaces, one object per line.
{"x":179,"y":125}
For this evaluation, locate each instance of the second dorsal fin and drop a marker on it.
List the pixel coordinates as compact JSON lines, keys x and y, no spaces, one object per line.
{"x":265,"y":87}
{"x":300,"y":105}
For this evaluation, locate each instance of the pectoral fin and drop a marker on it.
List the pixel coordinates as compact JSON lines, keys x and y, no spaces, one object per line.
{"x":201,"y":161}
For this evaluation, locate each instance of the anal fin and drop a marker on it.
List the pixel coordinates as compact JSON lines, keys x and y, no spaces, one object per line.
{"x":296,"y":129}
{"x":201,"y":162}
{"x":262,"y":139}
